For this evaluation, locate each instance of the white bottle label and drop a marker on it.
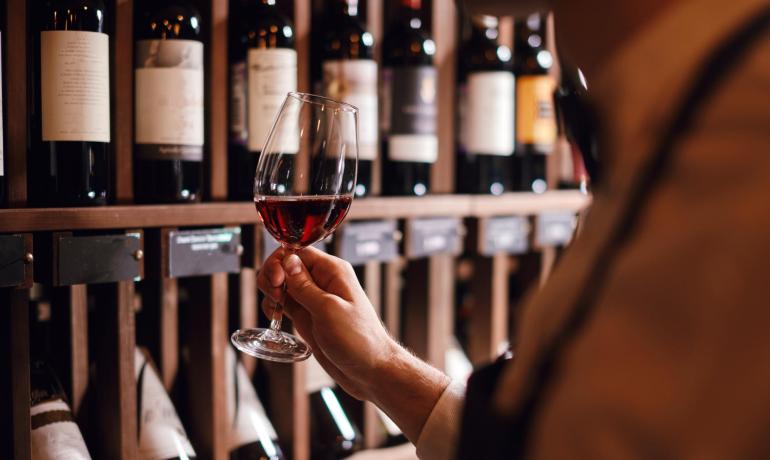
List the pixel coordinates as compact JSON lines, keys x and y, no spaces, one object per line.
{"x":75,"y":86}
{"x":161,"y":434}
{"x":54,"y":435}
{"x":355,"y":82}
{"x":272,"y":74}
{"x":249,"y":420}
{"x":487,"y":124}
{"x":316,"y":377}
{"x":169,"y":99}
{"x":239,"y":133}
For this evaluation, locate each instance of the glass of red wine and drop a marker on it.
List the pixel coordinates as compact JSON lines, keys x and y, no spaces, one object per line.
{"x":303,"y":188}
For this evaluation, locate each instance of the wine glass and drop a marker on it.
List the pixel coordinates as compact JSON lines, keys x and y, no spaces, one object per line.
{"x":304,"y":185}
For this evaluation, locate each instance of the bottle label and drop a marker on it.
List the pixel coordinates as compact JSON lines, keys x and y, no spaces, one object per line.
{"x":355,"y":82}
{"x":75,"y":86}
{"x":535,"y":116}
{"x":54,"y":434}
{"x":316,"y":377}
{"x":272,"y":74}
{"x":249,"y":420}
{"x":409,"y":113}
{"x":486,"y":121}
{"x":239,"y":77}
{"x":161,"y":434}
{"x":169,"y":99}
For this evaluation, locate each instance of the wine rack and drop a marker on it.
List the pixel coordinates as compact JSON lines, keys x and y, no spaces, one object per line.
{"x":427,"y":294}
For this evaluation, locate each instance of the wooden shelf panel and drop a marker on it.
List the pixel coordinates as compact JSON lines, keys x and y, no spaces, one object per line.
{"x":121,"y":217}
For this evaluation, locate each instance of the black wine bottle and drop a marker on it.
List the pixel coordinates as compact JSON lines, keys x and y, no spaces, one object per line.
{"x":535,"y":119}
{"x":333,"y":434}
{"x":54,"y":432}
{"x":252,"y":436}
{"x":263,"y":69}
{"x":572,"y":170}
{"x":350,"y":75}
{"x":408,"y":116}
{"x":168,"y":109}
{"x":161,"y":434}
{"x":485,"y":107}
{"x":3,"y":191}
{"x":70,"y":161}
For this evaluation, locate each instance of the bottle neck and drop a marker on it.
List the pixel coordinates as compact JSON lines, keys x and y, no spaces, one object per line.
{"x":485,"y":30}
{"x":530,"y":35}
{"x":348,"y":7}
{"x":410,"y":13}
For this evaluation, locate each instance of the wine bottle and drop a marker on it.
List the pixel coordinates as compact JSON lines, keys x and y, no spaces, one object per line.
{"x":168,"y":109}
{"x":161,"y":434}
{"x":535,"y":120}
{"x":350,"y":75}
{"x":55,"y":435}
{"x":486,"y":144}
{"x":3,"y":192}
{"x":70,"y":161}
{"x":263,"y":70}
{"x":251,"y":436}
{"x":572,"y":170}
{"x":408,"y":117}
{"x":333,"y":434}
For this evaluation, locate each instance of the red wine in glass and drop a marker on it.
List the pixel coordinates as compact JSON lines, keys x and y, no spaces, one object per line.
{"x":303,"y":188}
{"x":297,"y":222}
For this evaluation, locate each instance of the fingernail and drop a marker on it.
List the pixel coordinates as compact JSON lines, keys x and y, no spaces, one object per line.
{"x":292,"y":265}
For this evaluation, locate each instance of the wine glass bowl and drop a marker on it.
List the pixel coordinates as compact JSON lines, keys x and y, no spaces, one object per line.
{"x":303,"y":188}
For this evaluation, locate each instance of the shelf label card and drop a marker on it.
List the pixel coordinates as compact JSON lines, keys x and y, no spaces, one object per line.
{"x":362,"y":242}
{"x":555,"y":228}
{"x":12,"y":253}
{"x":426,"y":237}
{"x":204,"y":252}
{"x":508,"y":235}
{"x":98,"y":259}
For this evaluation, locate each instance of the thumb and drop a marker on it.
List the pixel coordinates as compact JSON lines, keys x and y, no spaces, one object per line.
{"x":299,"y":284}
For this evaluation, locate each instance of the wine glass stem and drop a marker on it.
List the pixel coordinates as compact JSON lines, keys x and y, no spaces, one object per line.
{"x":277,"y":319}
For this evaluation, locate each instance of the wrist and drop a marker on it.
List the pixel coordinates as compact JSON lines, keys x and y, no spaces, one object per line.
{"x":406,"y":388}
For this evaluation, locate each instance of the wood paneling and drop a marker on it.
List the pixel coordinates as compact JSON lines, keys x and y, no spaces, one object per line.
{"x":15,"y":80}
{"x":123,"y":100}
{"x":207,"y":337}
{"x":14,"y":379}
{"x":217,"y":114}
{"x":488,"y":323}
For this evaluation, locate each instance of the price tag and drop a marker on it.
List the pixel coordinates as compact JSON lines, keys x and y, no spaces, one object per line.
{"x":361,"y":242}
{"x":204,"y":252}
{"x":426,"y":237}
{"x":98,"y":259}
{"x":269,"y":244}
{"x":507,"y":235}
{"x":13,"y":254}
{"x":555,"y":229}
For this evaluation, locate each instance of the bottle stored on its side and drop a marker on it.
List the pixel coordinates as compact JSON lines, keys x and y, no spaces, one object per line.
{"x":333,"y":434}
{"x":161,"y":434}
{"x":263,"y":69}
{"x":408,"y":114}
{"x":350,"y":75}
{"x":486,"y":109}
{"x":168,"y":109}
{"x":70,"y":161}
{"x":55,"y":435}
{"x":535,"y":119}
{"x":251,"y":436}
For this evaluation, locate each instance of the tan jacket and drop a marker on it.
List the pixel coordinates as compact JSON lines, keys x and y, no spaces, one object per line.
{"x":674,"y":362}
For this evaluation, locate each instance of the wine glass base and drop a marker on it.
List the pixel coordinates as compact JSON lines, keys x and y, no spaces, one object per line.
{"x":267,"y":344}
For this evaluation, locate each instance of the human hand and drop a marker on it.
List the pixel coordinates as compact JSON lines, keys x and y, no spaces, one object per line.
{"x":332,"y":313}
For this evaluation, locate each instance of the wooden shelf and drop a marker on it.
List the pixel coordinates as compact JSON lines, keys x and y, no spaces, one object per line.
{"x":144,"y":216}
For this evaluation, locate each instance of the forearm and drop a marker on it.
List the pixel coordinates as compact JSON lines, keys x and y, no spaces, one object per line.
{"x":406,"y":388}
